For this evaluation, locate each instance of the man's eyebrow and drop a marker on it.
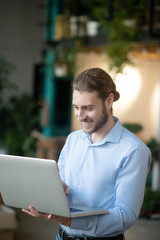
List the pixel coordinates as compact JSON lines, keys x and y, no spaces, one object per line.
{"x":89,"y":105}
{"x":84,"y":106}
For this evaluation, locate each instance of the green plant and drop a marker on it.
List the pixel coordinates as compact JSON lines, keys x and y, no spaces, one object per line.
{"x":151,"y":203}
{"x":154,"y":146}
{"x":133,"y":127}
{"x":5,"y":69}
{"x":121,"y":22}
{"x":18,"y":118}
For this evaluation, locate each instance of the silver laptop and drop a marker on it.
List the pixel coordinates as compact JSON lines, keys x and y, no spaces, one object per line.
{"x":26,"y":181}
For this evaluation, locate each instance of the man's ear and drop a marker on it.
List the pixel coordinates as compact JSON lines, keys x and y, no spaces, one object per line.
{"x":109,"y":101}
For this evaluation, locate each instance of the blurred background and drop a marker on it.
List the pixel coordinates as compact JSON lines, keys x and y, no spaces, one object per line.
{"x":43,"y":45}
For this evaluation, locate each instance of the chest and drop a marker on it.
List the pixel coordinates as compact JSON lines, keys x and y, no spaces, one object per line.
{"x":92,"y":168}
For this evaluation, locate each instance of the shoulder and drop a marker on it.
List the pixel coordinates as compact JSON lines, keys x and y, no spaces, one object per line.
{"x":132,"y":141}
{"x":75,"y":136}
{"x":77,"y":133}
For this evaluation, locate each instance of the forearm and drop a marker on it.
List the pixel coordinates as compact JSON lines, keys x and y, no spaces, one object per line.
{"x":117,"y":220}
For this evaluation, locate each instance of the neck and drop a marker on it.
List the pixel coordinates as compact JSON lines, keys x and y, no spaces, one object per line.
{"x":99,"y":135}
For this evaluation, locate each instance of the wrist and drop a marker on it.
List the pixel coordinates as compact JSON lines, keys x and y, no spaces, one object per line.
{"x":69,"y":222}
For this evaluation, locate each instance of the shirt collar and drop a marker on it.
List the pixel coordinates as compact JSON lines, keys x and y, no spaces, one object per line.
{"x":114,"y":135}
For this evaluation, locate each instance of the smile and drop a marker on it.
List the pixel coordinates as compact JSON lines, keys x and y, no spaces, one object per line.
{"x":87,"y":124}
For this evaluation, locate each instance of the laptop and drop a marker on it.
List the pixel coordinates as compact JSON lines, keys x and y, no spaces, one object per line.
{"x":27,"y":181}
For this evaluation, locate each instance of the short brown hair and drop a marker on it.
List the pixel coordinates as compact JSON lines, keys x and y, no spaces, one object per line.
{"x":96,"y":79}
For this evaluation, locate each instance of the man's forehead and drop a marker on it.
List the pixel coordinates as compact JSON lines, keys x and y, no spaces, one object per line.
{"x":85,"y":93}
{"x":85,"y":97}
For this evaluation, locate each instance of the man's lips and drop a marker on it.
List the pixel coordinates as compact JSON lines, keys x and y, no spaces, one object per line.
{"x":87,"y":124}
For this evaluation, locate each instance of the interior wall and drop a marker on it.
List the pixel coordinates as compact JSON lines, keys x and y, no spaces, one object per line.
{"x":139,"y":89}
{"x":21,"y":34}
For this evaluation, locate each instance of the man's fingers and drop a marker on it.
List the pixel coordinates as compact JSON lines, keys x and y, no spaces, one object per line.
{"x":49,"y":216}
{"x":66,"y":189}
{"x":58,"y":219}
{"x":33,"y":212}
{"x":26,"y":211}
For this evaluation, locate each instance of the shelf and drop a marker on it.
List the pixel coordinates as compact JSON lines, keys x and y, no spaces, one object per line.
{"x":67,"y":78}
{"x":83,"y":41}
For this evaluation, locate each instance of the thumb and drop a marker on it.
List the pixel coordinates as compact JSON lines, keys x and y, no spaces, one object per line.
{"x":66,"y":189}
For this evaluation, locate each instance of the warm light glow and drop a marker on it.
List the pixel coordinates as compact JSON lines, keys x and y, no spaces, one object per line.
{"x":155,"y":105}
{"x":128,"y":85}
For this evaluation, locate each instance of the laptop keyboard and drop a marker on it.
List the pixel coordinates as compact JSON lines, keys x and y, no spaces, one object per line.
{"x":75,"y":210}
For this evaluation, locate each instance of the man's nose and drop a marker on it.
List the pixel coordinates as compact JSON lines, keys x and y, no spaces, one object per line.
{"x":80,"y":116}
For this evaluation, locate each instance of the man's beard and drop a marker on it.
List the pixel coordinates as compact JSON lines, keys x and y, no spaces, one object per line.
{"x":99,"y":124}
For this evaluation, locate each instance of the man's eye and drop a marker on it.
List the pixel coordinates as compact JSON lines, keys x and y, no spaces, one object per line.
{"x":75,"y":107}
{"x":89,"y":108}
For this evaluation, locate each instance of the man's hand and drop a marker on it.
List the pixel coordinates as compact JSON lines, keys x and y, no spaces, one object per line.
{"x":66,"y":189}
{"x":58,"y":219}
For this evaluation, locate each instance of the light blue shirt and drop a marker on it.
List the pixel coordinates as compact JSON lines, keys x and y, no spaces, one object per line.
{"x":109,"y":174}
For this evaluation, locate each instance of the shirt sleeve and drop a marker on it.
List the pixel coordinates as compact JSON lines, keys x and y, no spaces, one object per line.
{"x":128,"y":198}
{"x":62,"y":158}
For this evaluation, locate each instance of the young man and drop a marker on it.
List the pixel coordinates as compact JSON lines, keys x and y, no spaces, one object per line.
{"x":102,"y":165}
